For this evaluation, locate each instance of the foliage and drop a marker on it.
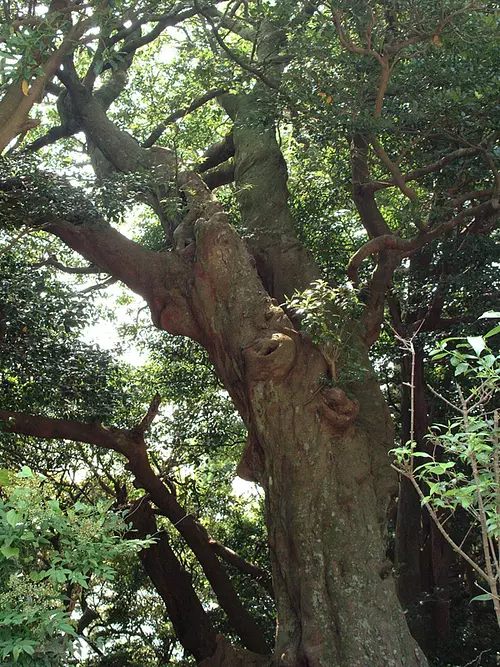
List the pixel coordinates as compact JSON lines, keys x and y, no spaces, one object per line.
{"x":442,"y":96}
{"x":49,"y":555}
{"x":463,"y":473}
{"x":328,"y":314}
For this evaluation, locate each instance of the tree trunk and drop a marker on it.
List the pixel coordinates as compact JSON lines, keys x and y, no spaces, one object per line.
{"x":421,"y":553}
{"x":408,"y":548}
{"x":321,"y":458}
{"x":320,"y":455}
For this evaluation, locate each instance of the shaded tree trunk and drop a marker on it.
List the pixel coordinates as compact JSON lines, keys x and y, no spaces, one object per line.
{"x":421,"y":554}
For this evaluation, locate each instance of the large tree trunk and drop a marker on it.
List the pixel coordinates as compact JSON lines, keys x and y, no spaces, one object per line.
{"x":322,"y":460}
{"x":320,"y":455}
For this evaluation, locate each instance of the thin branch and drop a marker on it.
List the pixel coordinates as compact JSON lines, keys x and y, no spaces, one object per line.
{"x":231,"y":557}
{"x":229,"y":22}
{"x":346,"y":41}
{"x":439,"y":526}
{"x":417,"y":174}
{"x":105,"y":283}
{"x":393,"y":169}
{"x":233,"y":56}
{"x":445,"y":400}
{"x":180,"y":113}
{"x":408,"y":246}
{"x":27,"y":230}
{"x":78,"y":270}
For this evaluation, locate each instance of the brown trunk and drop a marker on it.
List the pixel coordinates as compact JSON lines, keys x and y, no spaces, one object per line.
{"x":408,"y":548}
{"x":421,"y":554}
{"x":320,"y":455}
{"x":323,"y":466}
{"x":319,"y":451}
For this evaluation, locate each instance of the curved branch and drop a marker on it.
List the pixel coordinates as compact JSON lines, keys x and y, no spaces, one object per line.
{"x":417,"y":174}
{"x":224,"y":175}
{"x":53,"y":135}
{"x":217,"y":154}
{"x":77,"y":270}
{"x":407,"y":246}
{"x":393,"y":169}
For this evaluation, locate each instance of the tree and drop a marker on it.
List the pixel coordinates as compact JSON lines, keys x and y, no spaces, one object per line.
{"x":318,"y":427}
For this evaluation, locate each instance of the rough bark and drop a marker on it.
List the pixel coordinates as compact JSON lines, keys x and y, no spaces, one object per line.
{"x":320,"y":455}
{"x":323,"y":466}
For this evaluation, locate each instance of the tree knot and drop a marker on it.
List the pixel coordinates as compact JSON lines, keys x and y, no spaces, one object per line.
{"x":337,"y":408}
{"x":270,"y":357}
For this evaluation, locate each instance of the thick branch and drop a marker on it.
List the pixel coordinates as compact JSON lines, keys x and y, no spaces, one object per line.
{"x":160,"y":278}
{"x":221,"y":176}
{"x":191,"y":623}
{"x":118,"y":146}
{"x":371,"y":217}
{"x":151,"y":414}
{"x":217,"y":154}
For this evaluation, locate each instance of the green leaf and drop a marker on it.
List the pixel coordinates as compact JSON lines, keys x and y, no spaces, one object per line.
{"x":10,"y":552}
{"x":492,"y":332}
{"x":477,"y":343}
{"x":490,"y":314}
{"x":26,"y":472}
{"x":5,"y":476}
{"x":12,"y":517}
{"x":484,"y":596}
